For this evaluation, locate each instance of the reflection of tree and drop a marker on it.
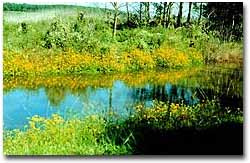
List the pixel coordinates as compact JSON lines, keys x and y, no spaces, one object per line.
{"x":167,"y":92}
{"x":159,"y":92}
{"x":226,"y":86}
{"x":110,"y":98}
{"x":155,"y":92}
{"x":55,"y":95}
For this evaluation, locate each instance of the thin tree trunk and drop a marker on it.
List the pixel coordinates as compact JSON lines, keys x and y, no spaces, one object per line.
{"x":148,"y":12}
{"x":164,"y":13}
{"x":140,"y":12}
{"x":169,"y":13}
{"x":127,"y":12}
{"x":115,"y":25}
{"x":178,"y":23}
{"x":199,"y":19}
{"x":189,"y":12}
{"x":161,"y":16}
{"x":115,"y":5}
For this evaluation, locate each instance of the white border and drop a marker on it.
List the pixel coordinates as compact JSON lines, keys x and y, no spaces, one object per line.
{"x":82,"y":1}
{"x":191,"y":159}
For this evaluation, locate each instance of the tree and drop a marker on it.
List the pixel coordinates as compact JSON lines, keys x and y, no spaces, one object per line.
{"x":200,"y":13}
{"x":170,"y":4}
{"x":116,"y":13}
{"x":198,"y":10}
{"x":189,"y":13}
{"x":178,"y":23}
{"x":226,"y":18}
{"x":147,"y":12}
{"x":164,"y":14}
{"x":140,"y":12}
{"x":127,"y":12}
{"x":159,"y":12}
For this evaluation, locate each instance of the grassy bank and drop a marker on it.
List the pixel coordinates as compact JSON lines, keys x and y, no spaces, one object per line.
{"x":95,"y":135}
{"x":75,"y":45}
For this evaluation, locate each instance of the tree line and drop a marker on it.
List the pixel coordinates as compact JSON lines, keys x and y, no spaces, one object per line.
{"x":30,"y":7}
{"x":225,"y":18}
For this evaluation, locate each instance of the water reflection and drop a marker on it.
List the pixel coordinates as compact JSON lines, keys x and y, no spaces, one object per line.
{"x":118,"y":95}
{"x":167,"y":92}
{"x":55,"y":95}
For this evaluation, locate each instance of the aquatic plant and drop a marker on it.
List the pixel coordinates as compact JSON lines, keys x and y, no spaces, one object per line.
{"x":178,"y":115}
{"x":96,"y":135}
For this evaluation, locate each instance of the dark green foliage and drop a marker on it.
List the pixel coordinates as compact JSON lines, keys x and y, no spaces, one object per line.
{"x":31,"y":7}
{"x":226,"y":18}
{"x":57,"y":35}
{"x":147,"y":40}
{"x":180,"y":129}
{"x":24,"y":27}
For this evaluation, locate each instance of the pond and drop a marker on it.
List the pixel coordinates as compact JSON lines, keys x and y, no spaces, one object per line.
{"x":83,"y":95}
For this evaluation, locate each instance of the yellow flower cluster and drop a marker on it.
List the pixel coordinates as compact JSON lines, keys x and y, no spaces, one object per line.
{"x":171,"y":58}
{"x":70,"y":62}
{"x":162,"y":111}
{"x":138,"y":60}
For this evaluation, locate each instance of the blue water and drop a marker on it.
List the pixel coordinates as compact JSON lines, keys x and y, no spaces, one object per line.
{"x":20,"y":104}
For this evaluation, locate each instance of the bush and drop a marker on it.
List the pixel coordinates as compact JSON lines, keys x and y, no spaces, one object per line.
{"x":140,"y":39}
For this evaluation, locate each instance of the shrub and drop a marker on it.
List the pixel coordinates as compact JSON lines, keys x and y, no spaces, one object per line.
{"x":57,"y":36}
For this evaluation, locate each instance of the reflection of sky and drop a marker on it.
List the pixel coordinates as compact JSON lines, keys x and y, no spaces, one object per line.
{"x":20,"y":103}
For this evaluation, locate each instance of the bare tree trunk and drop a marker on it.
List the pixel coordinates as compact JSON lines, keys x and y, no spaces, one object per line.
{"x":199,"y":19}
{"x":115,"y":5}
{"x":127,"y":12}
{"x":148,"y":12}
{"x":164,"y":14}
{"x":115,"y":25}
{"x":178,"y":23}
{"x":169,"y":13}
{"x":140,"y":12}
{"x":161,"y":14}
{"x":189,"y":12}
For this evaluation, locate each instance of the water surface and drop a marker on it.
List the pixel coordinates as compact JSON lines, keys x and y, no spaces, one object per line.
{"x":118,"y":93}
